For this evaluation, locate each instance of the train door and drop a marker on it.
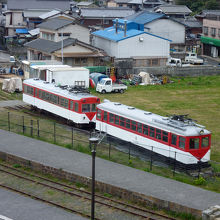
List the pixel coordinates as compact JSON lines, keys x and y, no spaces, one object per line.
{"x":105,"y":121}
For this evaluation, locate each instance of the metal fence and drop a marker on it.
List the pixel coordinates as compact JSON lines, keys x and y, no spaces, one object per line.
{"x":78,"y":139}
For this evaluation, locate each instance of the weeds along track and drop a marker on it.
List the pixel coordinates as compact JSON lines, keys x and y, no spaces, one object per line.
{"x":76,"y":200}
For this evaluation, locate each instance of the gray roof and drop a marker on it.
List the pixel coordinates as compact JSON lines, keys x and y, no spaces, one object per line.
{"x":34,"y":13}
{"x":174,"y":9}
{"x":122,"y":1}
{"x":55,"y":23}
{"x":49,"y":46}
{"x":209,"y":12}
{"x":190,"y":22}
{"x":38,"y":4}
{"x":106,"y":12}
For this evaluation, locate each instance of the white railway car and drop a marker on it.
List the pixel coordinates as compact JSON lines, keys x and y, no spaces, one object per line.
{"x":78,"y":107}
{"x":172,"y":138}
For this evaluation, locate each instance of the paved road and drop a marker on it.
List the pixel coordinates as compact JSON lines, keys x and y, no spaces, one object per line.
{"x":108,"y":172}
{"x":14,"y":206}
{"x":11,"y":103}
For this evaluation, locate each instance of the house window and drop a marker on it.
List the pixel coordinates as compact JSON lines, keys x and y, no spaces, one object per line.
{"x":106,"y":21}
{"x":205,"y":30}
{"x":154,"y":62}
{"x":64,"y":34}
{"x":219,"y":32}
{"x":48,"y":36}
{"x":213,"y":32}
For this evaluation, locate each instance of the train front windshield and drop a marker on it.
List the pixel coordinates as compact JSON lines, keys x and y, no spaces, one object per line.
{"x":199,"y":142}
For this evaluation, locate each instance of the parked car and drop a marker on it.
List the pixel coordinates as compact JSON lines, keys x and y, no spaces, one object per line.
{"x":177,"y":62}
{"x":193,"y":59}
{"x":106,"y":85}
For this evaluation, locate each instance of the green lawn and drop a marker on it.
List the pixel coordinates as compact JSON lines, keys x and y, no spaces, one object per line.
{"x":197,"y":96}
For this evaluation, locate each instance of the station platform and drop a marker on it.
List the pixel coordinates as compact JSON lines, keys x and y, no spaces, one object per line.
{"x":167,"y":193}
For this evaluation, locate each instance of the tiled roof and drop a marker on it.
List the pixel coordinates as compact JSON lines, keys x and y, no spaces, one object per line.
{"x":145,"y":17}
{"x":55,"y":23}
{"x":189,"y":22}
{"x":38,"y":4}
{"x":174,"y":9}
{"x":106,"y":12}
{"x":49,"y":46}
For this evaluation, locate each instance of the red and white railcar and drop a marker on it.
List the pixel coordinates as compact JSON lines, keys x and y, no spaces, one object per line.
{"x":78,"y":107}
{"x":174,"y":137}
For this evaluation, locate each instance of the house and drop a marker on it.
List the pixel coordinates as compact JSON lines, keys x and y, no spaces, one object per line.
{"x":193,"y":31}
{"x":135,"y":4}
{"x":161,"y":25}
{"x":174,"y":11}
{"x":102,"y":17}
{"x":71,"y":51}
{"x":128,"y":40}
{"x":56,"y":29}
{"x":211,"y":34}
{"x":33,"y":8}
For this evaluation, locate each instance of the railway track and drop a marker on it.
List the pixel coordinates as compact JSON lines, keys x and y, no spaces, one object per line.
{"x":103,"y":204}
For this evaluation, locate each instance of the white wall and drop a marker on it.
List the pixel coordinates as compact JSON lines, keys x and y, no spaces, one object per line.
{"x":76,"y":31}
{"x":132,"y":47}
{"x":168,"y":29}
{"x":110,"y":47}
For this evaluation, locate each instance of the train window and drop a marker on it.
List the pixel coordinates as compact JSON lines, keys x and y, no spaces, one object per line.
{"x":93,"y":108}
{"x":99,"y":114}
{"x":145,"y":129}
{"x":194,"y":143}
{"x":122,"y":121}
{"x":105,"y":117}
{"x":43,"y":95}
{"x":165,"y":136}
{"x":182,"y":142}
{"x":25,"y":88}
{"x":71,"y":105}
{"x":134,"y":125}
{"x":152,"y":131}
{"x":35,"y":94}
{"x":30,"y":90}
{"x":174,"y":139}
{"x":76,"y":107}
{"x":158,"y":134}
{"x":116,"y":119}
{"x":85,"y":107}
{"x":139,"y":127}
{"x":111,"y":118}
{"x":205,"y":141}
{"x":40,"y":94}
{"x":128,"y":123}
{"x":66,"y":103}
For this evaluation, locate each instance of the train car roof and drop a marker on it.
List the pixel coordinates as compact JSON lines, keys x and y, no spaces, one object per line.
{"x":50,"y":87}
{"x":184,"y":128}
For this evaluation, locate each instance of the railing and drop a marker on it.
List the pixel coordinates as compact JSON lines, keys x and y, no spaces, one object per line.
{"x":108,"y":148}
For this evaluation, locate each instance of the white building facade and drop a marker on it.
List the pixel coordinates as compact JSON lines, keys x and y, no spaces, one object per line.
{"x":145,"y":48}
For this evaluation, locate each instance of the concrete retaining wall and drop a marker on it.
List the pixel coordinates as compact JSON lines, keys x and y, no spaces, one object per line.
{"x":180,"y":71}
{"x":102,"y":187}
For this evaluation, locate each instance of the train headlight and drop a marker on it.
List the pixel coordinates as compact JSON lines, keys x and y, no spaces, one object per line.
{"x":202,"y":131}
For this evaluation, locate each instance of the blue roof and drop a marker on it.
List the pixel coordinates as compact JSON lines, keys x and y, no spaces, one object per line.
{"x":110,"y":34}
{"x":22,"y":31}
{"x":145,"y":17}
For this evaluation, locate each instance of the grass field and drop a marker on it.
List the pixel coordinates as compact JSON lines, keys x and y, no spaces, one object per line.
{"x":197,"y":96}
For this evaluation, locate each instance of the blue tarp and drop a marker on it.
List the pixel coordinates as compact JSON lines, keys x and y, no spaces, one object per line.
{"x":22,"y":31}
